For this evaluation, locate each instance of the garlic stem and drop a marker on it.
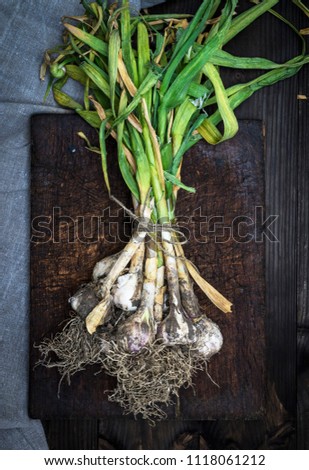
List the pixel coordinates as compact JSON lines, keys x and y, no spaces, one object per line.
{"x":140,"y":328}
{"x":171,"y":268}
{"x":99,"y":314}
{"x":176,"y":328}
{"x":103,"y":266}
{"x":159,"y":297}
{"x":188,"y":298}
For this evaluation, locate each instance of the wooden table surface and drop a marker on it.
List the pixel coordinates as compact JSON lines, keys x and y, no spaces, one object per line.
{"x":75,"y":225}
{"x":286,"y":270}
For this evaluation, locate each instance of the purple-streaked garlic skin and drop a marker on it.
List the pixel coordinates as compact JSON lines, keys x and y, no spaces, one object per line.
{"x":136,"y":332}
{"x":209,"y":338}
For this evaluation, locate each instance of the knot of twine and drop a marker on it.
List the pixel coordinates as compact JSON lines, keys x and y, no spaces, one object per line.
{"x":143,"y":224}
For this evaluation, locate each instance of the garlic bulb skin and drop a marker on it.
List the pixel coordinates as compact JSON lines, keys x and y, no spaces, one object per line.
{"x":176,"y":328}
{"x":136,"y":332}
{"x":209,"y":340}
{"x":103,"y":266}
{"x":124,"y":292}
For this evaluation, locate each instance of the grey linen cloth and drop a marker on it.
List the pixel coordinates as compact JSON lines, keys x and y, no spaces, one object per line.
{"x":27,"y":28}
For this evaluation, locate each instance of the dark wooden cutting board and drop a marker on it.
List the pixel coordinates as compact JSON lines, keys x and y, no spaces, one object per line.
{"x":74,"y":224}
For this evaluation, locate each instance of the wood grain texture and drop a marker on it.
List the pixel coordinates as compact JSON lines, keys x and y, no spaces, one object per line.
{"x":68,"y":197}
{"x":277,"y":107}
{"x":225,"y":242}
{"x":72,"y":434}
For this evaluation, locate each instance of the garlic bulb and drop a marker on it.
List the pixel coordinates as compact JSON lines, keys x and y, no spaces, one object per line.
{"x":124,"y":292}
{"x":176,"y":328}
{"x":85,"y":299}
{"x":137,"y":331}
{"x":209,"y":338}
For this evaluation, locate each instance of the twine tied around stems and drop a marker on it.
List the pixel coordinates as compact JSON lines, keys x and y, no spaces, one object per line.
{"x":143,"y":224}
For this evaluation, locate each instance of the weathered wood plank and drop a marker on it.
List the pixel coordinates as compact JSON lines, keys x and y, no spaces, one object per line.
{"x":67,"y":185}
{"x":277,"y":107}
